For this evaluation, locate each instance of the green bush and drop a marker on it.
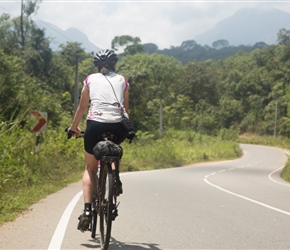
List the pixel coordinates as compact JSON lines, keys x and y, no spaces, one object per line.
{"x":286,"y":172}
{"x":25,"y":175}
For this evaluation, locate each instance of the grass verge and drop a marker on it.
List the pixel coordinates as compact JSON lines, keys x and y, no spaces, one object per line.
{"x":26,"y":176}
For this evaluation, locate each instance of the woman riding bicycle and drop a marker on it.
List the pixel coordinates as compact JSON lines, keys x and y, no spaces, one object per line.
{"x":100,"y":90}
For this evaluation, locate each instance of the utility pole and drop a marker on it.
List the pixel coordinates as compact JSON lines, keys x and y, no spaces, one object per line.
{"x":76,"y":87}
{"x":78,"y":55}
{"x":21,"y":25}
{"x":276,"y":111}
{"x":161,"y":119}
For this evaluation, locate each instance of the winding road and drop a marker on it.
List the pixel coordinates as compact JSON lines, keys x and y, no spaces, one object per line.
{"x":239,"y":204}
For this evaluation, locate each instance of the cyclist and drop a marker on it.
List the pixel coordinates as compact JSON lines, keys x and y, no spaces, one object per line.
{"x":102,"y":117}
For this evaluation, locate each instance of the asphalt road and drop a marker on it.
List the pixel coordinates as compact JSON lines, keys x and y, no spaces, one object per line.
{"x":240,"y":204}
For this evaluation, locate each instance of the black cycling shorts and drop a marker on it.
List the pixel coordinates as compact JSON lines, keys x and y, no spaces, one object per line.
{"x":94,"y":130}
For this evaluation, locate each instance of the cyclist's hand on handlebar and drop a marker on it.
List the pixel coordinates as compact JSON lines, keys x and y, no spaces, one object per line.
{"x":131,"y":136}
{"x":76,"y":131}
{"x":73,"y":132}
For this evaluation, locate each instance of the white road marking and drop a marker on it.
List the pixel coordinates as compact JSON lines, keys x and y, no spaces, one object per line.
{"x":246,"y":198}
{"x":271,"y":178}
{"x":57,"y":238}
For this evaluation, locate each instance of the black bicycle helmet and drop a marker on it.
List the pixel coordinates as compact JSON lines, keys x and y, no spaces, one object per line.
{"x":105,"y":58}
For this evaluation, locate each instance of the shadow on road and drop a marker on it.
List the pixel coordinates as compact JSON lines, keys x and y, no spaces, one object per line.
{"x":132,"y":245}
{"x":114,"y":245}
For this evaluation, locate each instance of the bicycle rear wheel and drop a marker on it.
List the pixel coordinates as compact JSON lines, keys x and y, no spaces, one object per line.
{"x":94,"y":223}
{"x":106,"y":207}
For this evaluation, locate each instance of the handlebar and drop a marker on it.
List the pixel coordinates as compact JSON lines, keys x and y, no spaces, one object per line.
{"x":70,"y":134}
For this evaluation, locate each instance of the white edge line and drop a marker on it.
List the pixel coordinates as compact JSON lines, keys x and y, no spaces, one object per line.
{"x":270,"y":175}
{"x":248,"y":199}
{"x":278,"y":182}
{"x":57,"y":238}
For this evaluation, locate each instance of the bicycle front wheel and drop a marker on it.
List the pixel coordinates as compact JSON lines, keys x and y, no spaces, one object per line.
{"x":106,"y":208}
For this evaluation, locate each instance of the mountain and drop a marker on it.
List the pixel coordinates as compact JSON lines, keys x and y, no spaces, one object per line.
{"x":247,"y":27}
{"x":59,"y":36}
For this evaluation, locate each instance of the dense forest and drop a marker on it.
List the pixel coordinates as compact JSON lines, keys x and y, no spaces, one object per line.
{"x":248,"y":91}
{"x":190,"y":50}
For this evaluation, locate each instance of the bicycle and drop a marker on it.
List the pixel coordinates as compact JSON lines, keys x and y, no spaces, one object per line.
{"x":107,"y":189}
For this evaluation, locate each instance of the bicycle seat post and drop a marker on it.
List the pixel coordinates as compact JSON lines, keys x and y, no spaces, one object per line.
{"x":109,"y":136}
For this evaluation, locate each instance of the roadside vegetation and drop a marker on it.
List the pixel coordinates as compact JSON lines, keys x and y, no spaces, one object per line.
{"x":184,"y":112}
{"x":27,"y":176}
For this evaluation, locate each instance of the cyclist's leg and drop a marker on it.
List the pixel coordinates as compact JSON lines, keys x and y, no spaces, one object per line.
{"x":88,"y":185}
{"x":91,"y":138}
{"x":89,"y":177}
{"x":122,"y":134}
{"x":116,"y":177}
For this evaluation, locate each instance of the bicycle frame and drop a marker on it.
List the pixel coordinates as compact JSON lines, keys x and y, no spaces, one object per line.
{"x":104,"y":204}
{"x":106,"y":162}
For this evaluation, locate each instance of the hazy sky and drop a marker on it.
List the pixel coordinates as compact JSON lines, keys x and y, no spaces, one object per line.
{"x":164,"y":23}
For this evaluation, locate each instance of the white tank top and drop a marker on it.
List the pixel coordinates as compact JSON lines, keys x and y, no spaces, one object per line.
{"x":102,"y":96}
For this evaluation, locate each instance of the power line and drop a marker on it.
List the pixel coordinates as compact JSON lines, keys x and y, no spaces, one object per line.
{"x":35,"y":17}
{"x":51,"y":28}
{"x":17,"y":2}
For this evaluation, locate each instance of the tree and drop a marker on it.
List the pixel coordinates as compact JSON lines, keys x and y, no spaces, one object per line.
{"x":26,"y":10}
{"x":220,"y":44}
{"x":260,"y":45}
{"x":179,"y":112}
{"x":283,"y":37}
{"x":21,"y":93}
{"x":61,"y":74}
{"x":8,"y":41}
{"x":153,"y":80}
{"x":12,"y":81}
{"x":188,"y":45}
{"x":150,"y":48}
{"x":201,"y":82}
{"x":73,"y":53}
{"x":36,"y":51}
{"x":230,"y":112}
{"x":132,"y":44}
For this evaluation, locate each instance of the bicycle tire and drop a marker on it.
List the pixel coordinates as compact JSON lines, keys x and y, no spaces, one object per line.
{"x":94,"y":224}
{"x":94,"y":211}
{"x":106,"y":207}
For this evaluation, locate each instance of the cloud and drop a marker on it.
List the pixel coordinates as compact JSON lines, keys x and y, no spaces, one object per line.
{"x":163,"y":23}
